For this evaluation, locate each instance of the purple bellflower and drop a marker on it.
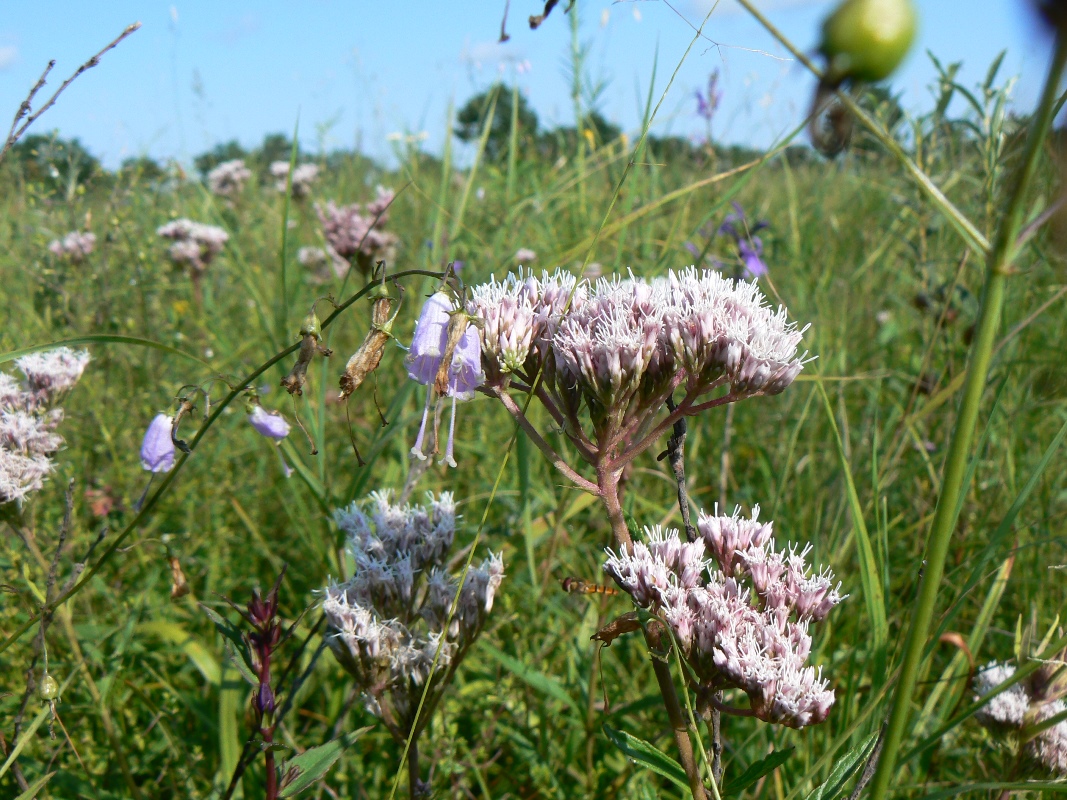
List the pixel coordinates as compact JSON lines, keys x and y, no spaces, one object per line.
{"x":428,"y":347}
{"x":157,"y":450}
{"x":270,"y":424}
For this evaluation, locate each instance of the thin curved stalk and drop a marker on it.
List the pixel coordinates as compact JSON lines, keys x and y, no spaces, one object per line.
{"x":944,"y":523}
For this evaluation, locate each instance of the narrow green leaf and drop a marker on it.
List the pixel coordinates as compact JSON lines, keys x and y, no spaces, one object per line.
{"x":235,"y":645}
{"x":843,"y":770}
{"x":641,"y":752}
{"x":756,"y":771}
{"x":35,"y":787}
{"x":230,"y":695}
{"x":313,"y":763}
{"x":538,"y":680}
{"x":98,"y":338}
{"x":870,"y":574}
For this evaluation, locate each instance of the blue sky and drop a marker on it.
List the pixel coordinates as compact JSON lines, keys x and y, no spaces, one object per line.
{"x":355,"y":72}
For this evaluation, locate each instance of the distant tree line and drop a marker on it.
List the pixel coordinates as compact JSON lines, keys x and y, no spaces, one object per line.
{"x":61,"y":166}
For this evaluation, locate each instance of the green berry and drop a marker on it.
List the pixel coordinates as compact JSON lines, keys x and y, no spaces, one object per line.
{"x":49,"y":689}
{"x":865,"y":40}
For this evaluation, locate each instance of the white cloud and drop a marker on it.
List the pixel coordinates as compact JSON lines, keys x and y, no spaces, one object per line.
{"x":8,"y":54}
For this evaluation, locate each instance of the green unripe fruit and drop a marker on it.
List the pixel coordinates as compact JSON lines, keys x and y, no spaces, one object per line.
{"x":49,"y":689}
{"x":865,"y":40}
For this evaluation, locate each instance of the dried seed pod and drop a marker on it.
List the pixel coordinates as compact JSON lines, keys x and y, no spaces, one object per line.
{"x":369,"y":355}
{"x":309,"y":346}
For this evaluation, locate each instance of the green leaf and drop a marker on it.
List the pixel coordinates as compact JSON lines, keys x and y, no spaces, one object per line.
{"x":756,"y":771}
{"x":235,"y":645}
{"x":230,"y":695}
{"x":870,"y":574}
{"x":641,"y":752}
{"x":99,"y":338}
{"x":843,"y":770}
{"x":538,"y":680}
{"x":313,"y":763}
{"x":174,"y":633}
{"x":35,"y":787}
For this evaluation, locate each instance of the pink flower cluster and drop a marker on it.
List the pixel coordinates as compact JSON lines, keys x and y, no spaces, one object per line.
{"x":228,"y":178}
{"x":303,"y":176}
{"x":29,"y":418}
{"x":356,"y":232}
{"x":623,"y":345}
{"x":1030,"y":701}
{"x":740,"y":618}
{"x":388,"y":621}
{"x":74,"y":247}
{"x":195,"y":244}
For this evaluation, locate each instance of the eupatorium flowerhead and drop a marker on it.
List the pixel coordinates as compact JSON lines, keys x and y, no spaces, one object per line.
{"x":730,"y":630}
{"x":395,"y":615}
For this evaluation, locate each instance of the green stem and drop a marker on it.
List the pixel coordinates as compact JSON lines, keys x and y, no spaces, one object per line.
{"x":998,"y":268}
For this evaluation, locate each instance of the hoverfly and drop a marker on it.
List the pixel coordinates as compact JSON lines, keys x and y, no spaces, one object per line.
{"x":573,"y":585}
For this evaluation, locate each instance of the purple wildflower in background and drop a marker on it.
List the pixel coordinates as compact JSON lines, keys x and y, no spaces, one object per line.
{"x":270,"y":424}
{"x":74,"y":247}
{"x":709,"y":102}
{"x":303,"y":176}
{"x":749,"y":246}
{"x":228,"y":178}
{"x":157,"y":449}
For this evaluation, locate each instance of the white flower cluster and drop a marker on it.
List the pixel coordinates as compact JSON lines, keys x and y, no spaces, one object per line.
{"x":625,"y":344}
{"x":195,"y":243}
{"x":28,"y":418}
{"x":303,"y":176}
{"x":356,"y":231}
{"x":389,"y":620}
{"x":74,"y":247}
{"x":1030,"y":701}
{"x":228,"y":178}
{"x":741,"y":618}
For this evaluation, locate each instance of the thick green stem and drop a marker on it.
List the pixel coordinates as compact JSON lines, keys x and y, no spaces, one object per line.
{"x":998,"y":267}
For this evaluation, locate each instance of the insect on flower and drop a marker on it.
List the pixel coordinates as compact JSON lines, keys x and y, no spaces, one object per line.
{"x":572,"y":585}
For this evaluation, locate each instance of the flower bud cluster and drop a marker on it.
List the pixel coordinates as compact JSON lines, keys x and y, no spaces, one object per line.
{"x":29,"y":418}
{"x":74,"y":247}
{"x":228,"y":178}
{"x":741,"y":617}
{"x":357,"y":232}
{"x":303,"y":176}
{"x":623,"y":345}
{"x":1031,"y":701}
{"x":195,"y":244}
{"x":389,"y":620}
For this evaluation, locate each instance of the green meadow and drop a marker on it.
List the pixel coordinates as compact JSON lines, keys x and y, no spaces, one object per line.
{"x":849,"y":458}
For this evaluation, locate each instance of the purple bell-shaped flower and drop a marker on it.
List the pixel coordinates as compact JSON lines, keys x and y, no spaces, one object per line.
{"x":157,"y":449}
